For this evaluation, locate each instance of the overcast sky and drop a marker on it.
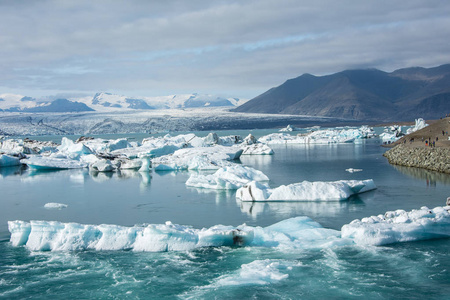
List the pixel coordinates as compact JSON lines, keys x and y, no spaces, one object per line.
{"x":231,"y":48}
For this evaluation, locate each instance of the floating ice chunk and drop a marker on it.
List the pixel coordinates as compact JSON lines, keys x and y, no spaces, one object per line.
{"x":351,"y":170}
{"x":102,"y":165}
{"x":294,"y":233}
{"x":72,"y":150}
{"x":249,"y":140}
{"x":9,"y":161}
{"x":205,"y":158}
{"x":420,"y":124}
{"x":15,"y":147}
{"x":400,"y":226}
{"x":305,"y":191}
{"x":257,"y":149}
{"x":232,"y":177}
{"x":259,"y":272}
{"x":288,"y":129}
{"x":39,"y":162}
{"x":105,"y":146}
{"x":54,"y":205}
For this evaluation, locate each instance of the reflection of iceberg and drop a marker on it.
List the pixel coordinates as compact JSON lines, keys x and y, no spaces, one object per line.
{"x":305,"y":191}
{"x":400,"y":226}
{"x":287,"y":209}
{"x":9,"y":171}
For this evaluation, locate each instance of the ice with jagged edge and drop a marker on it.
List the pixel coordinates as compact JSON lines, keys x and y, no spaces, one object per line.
{"x":325,"y":136}
{"x":419,"y":124}
{"x":48,"y":163}
{"x":293,"y":233}
{"x":400,"y":226}
{"x":202,"y":158}
{"x":227,"y":178}
{"x":305,"y":191}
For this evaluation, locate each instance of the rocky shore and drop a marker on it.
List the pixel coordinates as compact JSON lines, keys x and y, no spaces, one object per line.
{"x":436,"y":159}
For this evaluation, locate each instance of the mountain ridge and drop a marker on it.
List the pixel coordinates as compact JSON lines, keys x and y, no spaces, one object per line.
{"x":360,"y":94}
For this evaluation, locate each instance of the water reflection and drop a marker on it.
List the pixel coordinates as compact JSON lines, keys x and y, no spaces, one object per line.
{"x":12,"y":171}
{"x":221,"y":196}
{"x":311,"y":208}
{"x":76,"y":176}
{"x":430,"y":177}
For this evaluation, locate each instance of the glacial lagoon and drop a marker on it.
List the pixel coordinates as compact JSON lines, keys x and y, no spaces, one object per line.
{"x":306,"y":267}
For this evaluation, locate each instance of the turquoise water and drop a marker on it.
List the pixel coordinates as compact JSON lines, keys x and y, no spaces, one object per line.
{"x":405,"y":271}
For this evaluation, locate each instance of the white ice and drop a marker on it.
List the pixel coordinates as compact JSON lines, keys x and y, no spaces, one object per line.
{"x":300,"y":232}
{"x":420,"y":124}
{"x":54,"y":205}
{"x":400,"y":226}
{"x":232,"y":177}
{"x":305,"y":191}
{"x":203,"y":158}
{"x":325,"y":136}
{"x":351,"y":170}
{"x":40,"y":162}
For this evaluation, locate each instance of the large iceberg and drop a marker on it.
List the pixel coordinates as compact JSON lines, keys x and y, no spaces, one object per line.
{"x":305,"y":191}
{"x":300,"y":232}
{"x":400,"y":226}
{"x":325,"y":136}
{"x":203,"y":158}
{"x":232,"y":177}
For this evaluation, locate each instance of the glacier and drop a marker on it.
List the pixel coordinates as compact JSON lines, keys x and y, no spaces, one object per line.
{"x":305,"y":191}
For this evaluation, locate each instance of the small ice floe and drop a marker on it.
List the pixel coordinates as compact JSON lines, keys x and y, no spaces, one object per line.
{"x":257,"y":149}
{"x":54,"y":205}
{"x":400,"y":226}
{"x":305,"y":191}
{"x":232,"y":177}
{"x":351,"y":170}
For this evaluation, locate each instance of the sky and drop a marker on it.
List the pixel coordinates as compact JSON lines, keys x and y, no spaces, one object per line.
{"x":229,"y":48}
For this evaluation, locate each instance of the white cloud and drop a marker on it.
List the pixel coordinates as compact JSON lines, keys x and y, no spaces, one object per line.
{"x":241,"y":48}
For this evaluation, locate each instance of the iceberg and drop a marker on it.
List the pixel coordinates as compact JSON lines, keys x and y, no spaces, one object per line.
{"x":351,"y":170}
{"x":232,"y":177}
{"x":9,"y":161}
{"x":257,"y":149}
{"x":324,"y":136}
{"x":54,"y":205}
{"x":102,"y":165}
{"x":305,"y":191}
{"x":49,"y":163}
{"x":295,"y":233}
{"x":72,"y":150}
{"x":419,"y":124}
{"x":203,"y":158}
{"x":400,"y":226}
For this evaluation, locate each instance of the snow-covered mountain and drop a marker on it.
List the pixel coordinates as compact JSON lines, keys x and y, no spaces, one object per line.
{"x":107,"y":102}
{"x":112,"y":102}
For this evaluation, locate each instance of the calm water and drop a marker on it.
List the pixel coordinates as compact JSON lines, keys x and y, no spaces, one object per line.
{"x":405,"y":271}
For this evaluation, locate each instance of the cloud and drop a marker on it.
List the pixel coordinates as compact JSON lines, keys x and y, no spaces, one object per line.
{"x":240,"y":48}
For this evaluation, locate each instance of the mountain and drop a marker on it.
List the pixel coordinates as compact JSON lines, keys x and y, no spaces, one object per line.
{"x":107,"y":102}
{"x":60,"y":105}
{"x":112,"y":102}
{"x":368,"y":94}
